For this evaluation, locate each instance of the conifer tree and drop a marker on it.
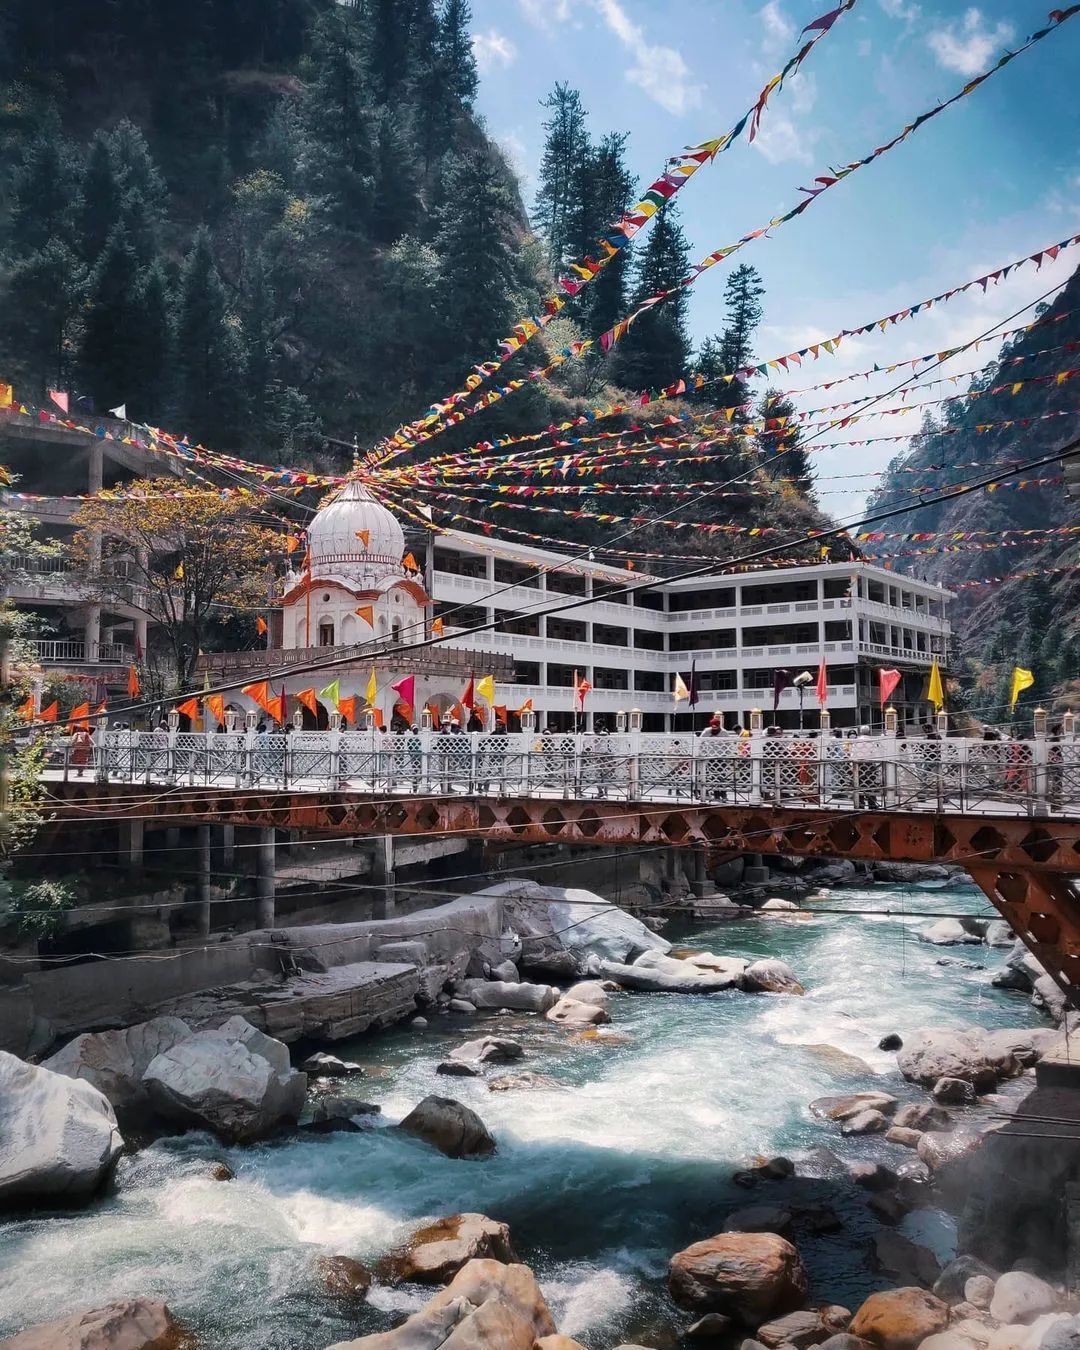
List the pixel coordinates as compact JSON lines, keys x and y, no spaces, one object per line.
{"x":656,"y":351}
{"x":38,"y":312}
{"x":603,"y":195}
{"x":209,"y":356}
{"x":99,"y":210}
{"x":395,"y":201}
{"x":143,"y":193}
{"x":45,"y":191}
{"x":148,"y":386}
{"x":783,"y":456}
{"x":455,"y":53}
{"x":112,"y":325}
{"x":478,"y":260}
{"x":563,"y":214}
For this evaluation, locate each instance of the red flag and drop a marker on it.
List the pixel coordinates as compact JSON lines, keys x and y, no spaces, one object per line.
{"x":49,"y":714}
{"x":81,"y":714}
{"x":581,"y":688}
{"x":405,"y":688}
{"x":468,"y":698}
{"x":822,"y":684}
{"x":887,"y":682}
{"x":376,"y":714}
{"x":189,"y":708}
{"x":499,"y":710}
{"x":347,"y":709}
{"x":133,"y":683}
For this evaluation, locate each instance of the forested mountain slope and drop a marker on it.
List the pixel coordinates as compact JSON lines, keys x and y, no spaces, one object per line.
{"x":1031,"y":621}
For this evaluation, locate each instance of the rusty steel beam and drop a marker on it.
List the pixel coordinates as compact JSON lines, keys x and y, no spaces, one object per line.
{"x":1043,"y":910}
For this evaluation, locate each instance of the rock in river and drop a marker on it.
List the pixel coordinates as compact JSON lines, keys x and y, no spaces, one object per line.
{"x":655,"y":971}
{"x":58,"y":1135}
{"x":771,"y":976}
{"x":486,"y":1306}
{"x":329,"y":1066}
{"x":899,"y":1319}
{"x":748,"y":1276}
{"x":434,"y":1254}
{"x":843,"y":1108}
{"x":233,"y":1080}
{"x":968,"y":1053}
{"x":489,"y":1050}
{"x":569,"y":1012}
{"x":522,"y":997}
{"x":130,"y":1324}
{"x":1020,"y":1297}
{"x":451,"y":1127}
{"x":115,"y":1061}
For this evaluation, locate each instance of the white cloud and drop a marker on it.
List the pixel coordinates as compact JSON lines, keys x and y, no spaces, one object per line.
{"x":779,"y":31}
{"x":492,"y":50}
{"x":967,"y":45}
{"x":660,"y":72}
{"x":545,"y":13}
{"x":903,"y":10}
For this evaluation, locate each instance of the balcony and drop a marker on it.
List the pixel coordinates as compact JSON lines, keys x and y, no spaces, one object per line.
{"x":73,"y":652}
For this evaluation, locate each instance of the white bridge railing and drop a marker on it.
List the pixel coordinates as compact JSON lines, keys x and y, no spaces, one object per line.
{"x":1032,"y":777}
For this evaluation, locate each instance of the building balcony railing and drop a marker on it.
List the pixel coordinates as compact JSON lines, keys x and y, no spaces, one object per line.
{"x":73,"y":652}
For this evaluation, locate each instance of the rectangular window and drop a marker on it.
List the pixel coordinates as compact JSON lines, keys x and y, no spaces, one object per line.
{"x":610,"y":634}
{"x":565,"y":583}
{"x":721,"y":597}
{"x":566,"y":630}
{"x":515,"y":574}
{"x":649,"y":600}
{"x":703,"y":640}
{"x":837,"y":587}
{"x":526,"y":672}
{"x":525,"y":625}
{"x":605,"y":590}
{"x":607,"y":678}
{"x":649,"y":681}
{"x":560,"y":677}
{"x":459,"y":564}
{"x":837,"y":630}
{"x":647,"y":641}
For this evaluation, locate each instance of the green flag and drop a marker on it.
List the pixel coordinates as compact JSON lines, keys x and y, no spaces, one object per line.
{"x":332,"y":692}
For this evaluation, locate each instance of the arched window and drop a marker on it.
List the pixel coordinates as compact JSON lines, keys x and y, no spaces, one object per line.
{"x":326,"y":632}
{"x":396,"y":629}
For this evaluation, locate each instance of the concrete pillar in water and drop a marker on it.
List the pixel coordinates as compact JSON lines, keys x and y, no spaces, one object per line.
{"x":696,"y":872}
{"x":265,"y":877}
{"x":294,"y":843}
{"x":227,"y":847}
{"x":382,"y":876}
{"x":131,"y":845}
{"x":755,"y":872}
{"x":204,"y":880}
{"x":172,"y":843}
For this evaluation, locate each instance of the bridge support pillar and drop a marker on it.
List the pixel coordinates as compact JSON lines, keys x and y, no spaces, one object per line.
{"x":265,"y":876}
{"x":131,"y":845}
{"x":203,"y":835}
{"x":226,"y":846}
{"x":294,"y":843}
{"x":755,"y":872}
{"x":696,"y":872}
{"x":172,"y":843}
{"x":383,"y":877}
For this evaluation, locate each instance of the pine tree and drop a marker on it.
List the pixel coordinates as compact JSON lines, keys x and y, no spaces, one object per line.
{"x":563,"y":214}
{"x":336,"y":116}
{"x":742,"y":300}
{"x":149,"y":380}
{"x":478,"y":260}
{"x":100,"y":208}
{"x":45,"y":195}
{"x":455,"y":53}
{"x":656,"y":351}
{"x":38,"y":312}
{"x":782,"y":455}
{"x":143,"y":193}
{"x":112,"y":326}
{"x":395,"y":200}
{"x":209,"y":356}
{"x":391,"y":45}
{"x":604,"y":195}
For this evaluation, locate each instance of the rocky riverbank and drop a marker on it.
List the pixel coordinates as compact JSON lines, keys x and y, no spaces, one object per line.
{"x":751,"y":1273}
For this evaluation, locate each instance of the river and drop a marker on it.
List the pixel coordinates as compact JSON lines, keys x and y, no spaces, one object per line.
{"x":601,"y":1178}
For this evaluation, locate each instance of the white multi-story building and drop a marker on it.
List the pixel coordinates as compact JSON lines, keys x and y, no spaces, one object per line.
{"x":734,"y":631}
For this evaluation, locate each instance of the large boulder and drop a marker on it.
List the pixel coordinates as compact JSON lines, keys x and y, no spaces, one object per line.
{"x":905,"y":1260}
{"x":899,"y":1319}
{"x":759,"y":1219}
{"x":947,"y":933}
{"x":451,"y":1127}
{"x":560,"y":927}
{"x":730,"y":968}
{"x":130,"y":1324}
{"x":854,"y":1104}
{"x":115,"y":1061}
{"x":809,"y":1326}
{"x":487,"y":1306}
{"x":771,"y":976}
{"x":434,"y":1254}
{"x":58,"y":1135}
{"x":1020,"y":970}
{"x":233,"y":1080}
{"x":967,"y":1053}
{"x":488,"y":1050}
{"x":596,"y":992}
{"x":521,"y":997}
{"x":654,"y":971}
{"x":938,"y":1149}
{"x":1020,"y":1297}
{"x":751,"y":1277}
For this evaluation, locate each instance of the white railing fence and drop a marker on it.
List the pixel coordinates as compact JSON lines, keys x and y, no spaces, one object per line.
{"x":1033,"y":777}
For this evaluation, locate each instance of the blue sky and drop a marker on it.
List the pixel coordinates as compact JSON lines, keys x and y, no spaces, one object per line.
{"x":993,"y":178}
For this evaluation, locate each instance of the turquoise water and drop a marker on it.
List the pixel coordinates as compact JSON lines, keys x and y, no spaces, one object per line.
{"x":601,"y":1178}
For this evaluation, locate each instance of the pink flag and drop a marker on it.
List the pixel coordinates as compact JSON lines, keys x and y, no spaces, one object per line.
{"x":887,"y":682}
{"x":60,"y":398}
{"x":822,"y":687}
{"x":405,"y":688}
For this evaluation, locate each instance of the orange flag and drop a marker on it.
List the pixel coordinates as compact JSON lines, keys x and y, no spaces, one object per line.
{"x":292,"y":543}
{"x":365,"y":537}
{"x":527,"y":706}
{"x":500,"y":712}
{"x":49,"y":714}
{"x":25,"y":710}
{"x":409,"y":563}
{"x":309,"y":700}
{"x":436,"y":627}
{"x":367,"y":612}
{"x":101,"y":709}
{"x":79,"y":714}
{"x":215,"y":705}
{"x":377,"y":714}
{"x":133,"y":682}
{"x":347,"y":709}
{"x":258,"y":693}
{"x":277,"y":707}
{"x":260,"y":625}
{"x":189,"y":708}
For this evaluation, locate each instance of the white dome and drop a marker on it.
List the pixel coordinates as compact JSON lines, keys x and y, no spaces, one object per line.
{"x":336,"y":538}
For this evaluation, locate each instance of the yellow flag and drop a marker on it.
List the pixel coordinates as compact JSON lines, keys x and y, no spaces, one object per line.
{"x":1021,"y":679}
{"x":934,"y":691}
{"x":680,"y":691}
{"x":486,"y":688}
{"x":372,"y":689}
